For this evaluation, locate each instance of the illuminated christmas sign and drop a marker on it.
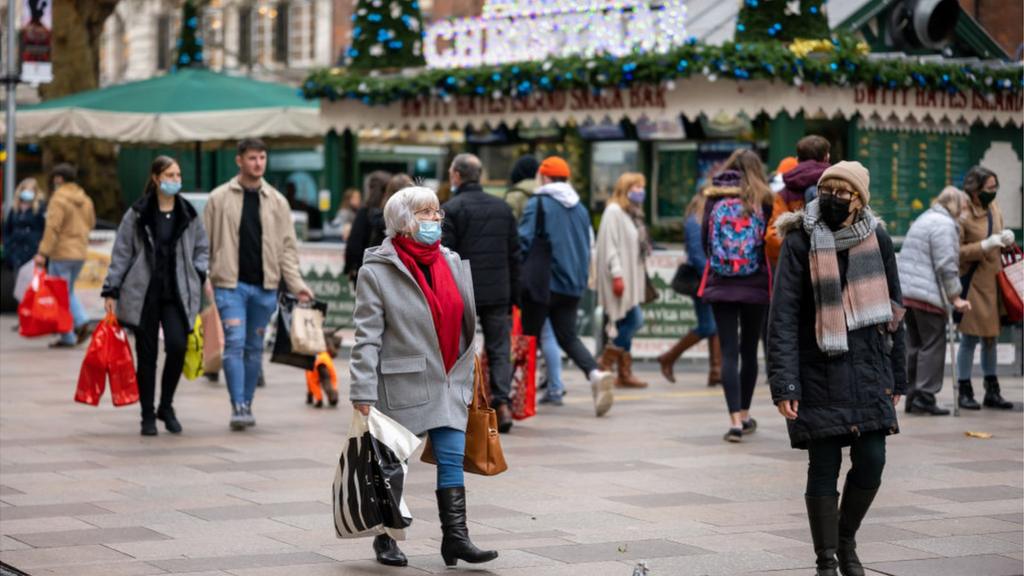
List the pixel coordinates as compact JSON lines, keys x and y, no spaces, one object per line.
{"x":518,"y":30}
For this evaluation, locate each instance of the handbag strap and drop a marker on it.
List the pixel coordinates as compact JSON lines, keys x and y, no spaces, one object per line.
{"x":479,"y":401}
{"x":966,"y":279}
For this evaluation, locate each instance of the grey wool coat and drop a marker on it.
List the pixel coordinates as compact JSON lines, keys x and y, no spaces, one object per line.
{"x":396,"y":361}
{"x":930,"y":255}
{"x":133,"y":256}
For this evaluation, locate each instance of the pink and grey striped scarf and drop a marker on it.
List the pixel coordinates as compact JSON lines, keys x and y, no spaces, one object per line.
{"x":865,"y":299}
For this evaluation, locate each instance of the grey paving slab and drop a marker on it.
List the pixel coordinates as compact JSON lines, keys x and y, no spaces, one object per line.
{"x":41,"y":557}
{"x":107,"y":569}
{"x":9,"y":491}
{"x":32,"y":468}
{"x":1016,"y":518}
{"x":951,"y":546}
{"x":980,"y":565}
{"x":233,"y":563}
{"x":631,"y":550}
{"x":988,"y":466}
{"x":259,"y":465}
{"x":975,"y":493}
{"x":621,"y":466}
{"x":668,"y":500}
{"x":7,"y":543}
{"x":93,"y":536}
{"x":259,"y":510}
{"x":867,"y":533}
{"x":959,"y":526}
{"x":755,"y":562}
{"x":50,"y":510}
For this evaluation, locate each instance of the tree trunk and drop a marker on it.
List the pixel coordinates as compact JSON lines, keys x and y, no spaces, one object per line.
{"x":77,"y":27}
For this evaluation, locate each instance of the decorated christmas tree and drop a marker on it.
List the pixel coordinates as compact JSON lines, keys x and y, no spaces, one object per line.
{"x":766,"y":20}
{"x":386,"y":34}
{"x":190,"y":44}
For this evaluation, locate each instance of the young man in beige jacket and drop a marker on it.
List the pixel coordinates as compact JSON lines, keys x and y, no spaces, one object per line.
{"x":252,"y":249}
{"x":70,"y":217}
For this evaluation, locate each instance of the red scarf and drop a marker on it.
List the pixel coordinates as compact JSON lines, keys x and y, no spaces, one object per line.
{"x":444,"y":300}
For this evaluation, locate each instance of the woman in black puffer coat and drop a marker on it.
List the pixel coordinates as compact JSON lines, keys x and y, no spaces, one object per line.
{"x":836,"y":351}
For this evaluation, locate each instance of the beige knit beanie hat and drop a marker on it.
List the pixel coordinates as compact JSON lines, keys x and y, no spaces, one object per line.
{"x":855,"y":174}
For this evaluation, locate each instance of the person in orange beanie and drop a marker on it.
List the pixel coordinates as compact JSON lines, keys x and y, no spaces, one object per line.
{"x":813,"y":154}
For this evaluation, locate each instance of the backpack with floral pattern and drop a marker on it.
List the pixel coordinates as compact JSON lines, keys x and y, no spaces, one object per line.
{"x":736,"y":239}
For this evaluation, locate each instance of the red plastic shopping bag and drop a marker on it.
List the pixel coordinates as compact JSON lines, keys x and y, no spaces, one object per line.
{"x":124,"y":386}
{"x":45,"y":308}
{"x":524,"y":370}
{"x":109,"y":354}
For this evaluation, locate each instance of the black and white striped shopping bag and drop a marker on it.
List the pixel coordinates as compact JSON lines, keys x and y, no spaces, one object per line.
{"x":369,"y":480}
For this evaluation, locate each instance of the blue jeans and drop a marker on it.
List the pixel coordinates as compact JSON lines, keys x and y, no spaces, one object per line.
{"x":449,"y":447}
{"x":628,"y":327}
{"x":69,"y":270}
{"x":244,"y":311}
{"x":965,"y":356}
{"x":706,"y":327}
{"x":553,"y":358}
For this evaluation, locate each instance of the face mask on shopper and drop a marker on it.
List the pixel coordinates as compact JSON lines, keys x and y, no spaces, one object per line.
{"x":833,"y":211}
{"x":986,"y":197}
{"x":429,"y":232}
{"x":636,"y":195}
{"x":170,"y":187}
{"x":27,"y":196}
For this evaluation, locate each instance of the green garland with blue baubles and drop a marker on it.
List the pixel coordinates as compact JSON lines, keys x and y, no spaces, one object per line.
{"x":845,"y":64}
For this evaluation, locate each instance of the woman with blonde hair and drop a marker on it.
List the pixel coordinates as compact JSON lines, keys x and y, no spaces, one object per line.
{"x":736,"y":279}
{"x":930,"y":280}
{"x":24,"y":225}
{"x":705,"y":318}
{"x":622,"y":247}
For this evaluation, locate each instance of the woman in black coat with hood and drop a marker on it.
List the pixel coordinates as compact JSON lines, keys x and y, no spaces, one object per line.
{"x":836,"y":351}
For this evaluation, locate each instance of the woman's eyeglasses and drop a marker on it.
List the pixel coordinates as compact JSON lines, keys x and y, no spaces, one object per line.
{"x":428,"y":212}
{"x":840,"y":194}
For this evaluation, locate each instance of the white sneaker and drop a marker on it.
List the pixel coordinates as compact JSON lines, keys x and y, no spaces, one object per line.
{"x":601,"y":385}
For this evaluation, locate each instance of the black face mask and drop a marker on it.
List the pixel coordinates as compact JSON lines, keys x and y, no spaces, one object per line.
{"x":833,"y":211}
{"x":986,"y":198}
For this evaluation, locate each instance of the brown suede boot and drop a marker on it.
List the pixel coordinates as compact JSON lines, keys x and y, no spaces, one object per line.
{"x":626,"y":377}
{"x":668,"y":359}
{"x":714,"y":361}
{"x":610,"y":358}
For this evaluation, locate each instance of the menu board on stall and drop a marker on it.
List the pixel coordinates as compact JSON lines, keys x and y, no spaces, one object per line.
{"x":908,"y":169}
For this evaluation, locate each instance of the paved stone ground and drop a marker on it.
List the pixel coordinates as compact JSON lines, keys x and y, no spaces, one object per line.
{"x":81,"y":493}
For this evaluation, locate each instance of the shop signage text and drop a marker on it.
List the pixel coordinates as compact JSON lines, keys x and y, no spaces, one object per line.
{"x":578,"y":100}
{"x":921,"y":98}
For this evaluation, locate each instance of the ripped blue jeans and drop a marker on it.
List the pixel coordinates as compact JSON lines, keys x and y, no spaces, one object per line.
{"x":244,"y":312}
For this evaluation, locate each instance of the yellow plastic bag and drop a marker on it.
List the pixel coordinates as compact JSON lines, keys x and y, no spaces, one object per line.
{"x":194,"y":352}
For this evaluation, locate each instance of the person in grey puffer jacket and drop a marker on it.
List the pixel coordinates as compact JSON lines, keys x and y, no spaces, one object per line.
{"x":157,"y":272}
{"x":930,"y":280}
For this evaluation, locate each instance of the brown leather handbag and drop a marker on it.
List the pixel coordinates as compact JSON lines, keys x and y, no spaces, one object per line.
{"x":483,"y":446}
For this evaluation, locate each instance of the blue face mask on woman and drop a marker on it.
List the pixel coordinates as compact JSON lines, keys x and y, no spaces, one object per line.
{"x":429,"y":232}
{"x":170,"y":187}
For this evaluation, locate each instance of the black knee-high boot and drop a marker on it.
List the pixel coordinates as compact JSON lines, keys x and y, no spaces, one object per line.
{"x":854,"y":507}
{"x":823,"y":515}
{"x":456,"y":545}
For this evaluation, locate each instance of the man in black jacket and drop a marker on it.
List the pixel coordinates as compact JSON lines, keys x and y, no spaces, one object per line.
{"x":482,"y":229}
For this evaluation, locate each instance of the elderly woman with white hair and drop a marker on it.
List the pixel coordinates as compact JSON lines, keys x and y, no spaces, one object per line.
{"x":929,"y":265}
{"x":415,"y":322}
